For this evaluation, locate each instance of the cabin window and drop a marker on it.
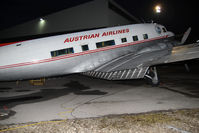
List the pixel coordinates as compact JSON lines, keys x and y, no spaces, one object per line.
{"x":124,"y":40}
{"x":145,"y":36}
{"x":85,"y":47}
{"x":135,"y":38}
{"x":105,"y":44}
{"x":62,"y":52}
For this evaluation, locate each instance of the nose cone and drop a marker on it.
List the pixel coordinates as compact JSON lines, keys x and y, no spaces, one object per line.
{"x":170,"y":34}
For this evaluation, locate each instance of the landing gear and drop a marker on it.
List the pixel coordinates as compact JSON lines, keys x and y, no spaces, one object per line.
{"x":152,"y":76}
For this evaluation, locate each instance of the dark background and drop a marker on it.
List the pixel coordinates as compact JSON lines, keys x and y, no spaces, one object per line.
{"x":176,"y":15}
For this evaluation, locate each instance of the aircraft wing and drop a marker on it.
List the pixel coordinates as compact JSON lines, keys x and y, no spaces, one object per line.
{"x":181,"y":53}
{"x":133,"y":66}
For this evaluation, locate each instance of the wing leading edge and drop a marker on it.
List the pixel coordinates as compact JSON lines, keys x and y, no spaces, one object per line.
{"x":185,"y":52}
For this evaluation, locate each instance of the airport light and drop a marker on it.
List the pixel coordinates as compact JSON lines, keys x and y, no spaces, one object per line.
{"x":42,"y":24}
{"x":42,"y":20}
{"x":158,"y":9}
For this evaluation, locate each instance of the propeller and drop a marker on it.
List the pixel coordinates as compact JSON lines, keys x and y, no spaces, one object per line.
{"x":183,"y":40}
{"x":185,"y":36}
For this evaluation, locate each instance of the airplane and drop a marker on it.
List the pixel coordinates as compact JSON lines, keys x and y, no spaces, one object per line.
{"x":114,"y":53}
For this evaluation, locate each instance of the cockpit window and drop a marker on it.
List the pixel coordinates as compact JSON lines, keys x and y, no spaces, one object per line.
{"x":158,"y":29}
{"x":164,"y":29}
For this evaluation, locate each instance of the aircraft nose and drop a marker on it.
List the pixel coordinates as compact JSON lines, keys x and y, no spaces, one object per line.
{"x":170,"y":34}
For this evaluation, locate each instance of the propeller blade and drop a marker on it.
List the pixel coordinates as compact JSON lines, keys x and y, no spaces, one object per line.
{"x":185,"y":36}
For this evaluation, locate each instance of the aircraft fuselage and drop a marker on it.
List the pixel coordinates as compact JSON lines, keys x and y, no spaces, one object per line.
{"x":77,"y":52}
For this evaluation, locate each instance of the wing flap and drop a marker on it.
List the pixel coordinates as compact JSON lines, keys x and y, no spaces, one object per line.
{"x":134,"y":73}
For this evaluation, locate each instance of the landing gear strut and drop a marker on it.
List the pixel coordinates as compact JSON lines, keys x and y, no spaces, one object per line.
{"x":152,"y":76}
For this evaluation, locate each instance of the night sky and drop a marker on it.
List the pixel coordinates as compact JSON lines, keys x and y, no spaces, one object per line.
{"x":176,"y":15}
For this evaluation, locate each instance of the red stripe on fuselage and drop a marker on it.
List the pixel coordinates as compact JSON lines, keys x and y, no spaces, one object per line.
{"x":78,"y":54}
{"x":9,"y":43}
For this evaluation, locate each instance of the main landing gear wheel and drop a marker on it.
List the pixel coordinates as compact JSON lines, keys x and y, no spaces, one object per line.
{"x":152,"y":76}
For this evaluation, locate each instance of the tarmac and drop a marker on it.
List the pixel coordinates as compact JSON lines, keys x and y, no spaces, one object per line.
{"x":78,"y":96}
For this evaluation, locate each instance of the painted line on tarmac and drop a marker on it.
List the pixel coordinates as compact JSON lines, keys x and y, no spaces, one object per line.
{"x":61,"y":114}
